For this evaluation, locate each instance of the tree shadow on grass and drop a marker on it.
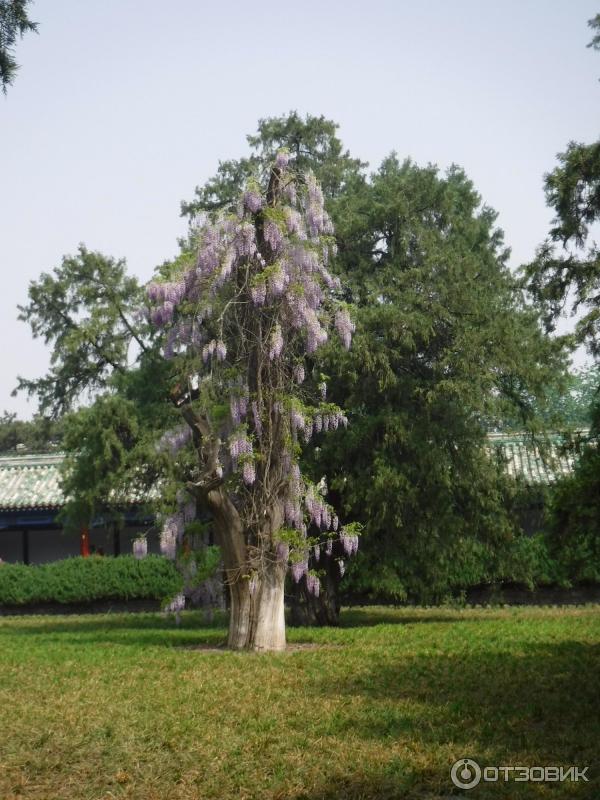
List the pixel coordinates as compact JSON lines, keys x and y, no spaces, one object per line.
{"x":153,"y":629}
{"x":535,"y":708}
{"x":364,"y":617}
{"x":156,"y":629}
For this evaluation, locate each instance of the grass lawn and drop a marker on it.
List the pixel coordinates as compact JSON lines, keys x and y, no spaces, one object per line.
{"x":129,"y":706}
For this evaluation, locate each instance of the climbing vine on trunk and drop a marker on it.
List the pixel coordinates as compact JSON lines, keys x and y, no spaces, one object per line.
{"x":241,"y":321}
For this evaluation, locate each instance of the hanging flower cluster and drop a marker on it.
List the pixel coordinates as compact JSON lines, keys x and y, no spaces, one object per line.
{"x":344,"y":326}
{"x":349,"y":542}
{"x":287,"y":253}
{"x":176,"y":604}
{"x":173,"y":441}
{"x":238,"y":406}
{"x":299,"y":569}
{"x":313,"y":584}
{"x":140,"y":547}
{"x":172,"y":534}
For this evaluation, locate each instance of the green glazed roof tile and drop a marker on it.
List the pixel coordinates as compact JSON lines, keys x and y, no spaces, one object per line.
{"x":528,"y":461}
{"x":33,"y":481}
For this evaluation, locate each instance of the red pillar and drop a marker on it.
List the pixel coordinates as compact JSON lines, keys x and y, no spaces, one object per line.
{"x":84,"y":542}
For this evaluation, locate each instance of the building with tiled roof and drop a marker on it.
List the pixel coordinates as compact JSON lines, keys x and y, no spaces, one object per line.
{"x":535,"y":464}
{"x":31,"y":499}
{"x":30,"y":482}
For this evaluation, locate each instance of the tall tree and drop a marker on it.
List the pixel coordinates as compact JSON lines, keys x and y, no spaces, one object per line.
{"x":86,"y":310}
{"x":565,"y":277}
{"x":445,"y":349}
{"x":242,"y":321}
{"x":14,"y":23}
{"x":569,"y":278}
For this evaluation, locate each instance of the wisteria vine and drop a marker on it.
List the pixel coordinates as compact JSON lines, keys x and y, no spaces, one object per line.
{"x":243,"y":318}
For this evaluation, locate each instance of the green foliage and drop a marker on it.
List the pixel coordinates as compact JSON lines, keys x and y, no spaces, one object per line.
{"x":206,"y":560}
{"x":38,"y":435}
{"x":445,"y":348}
{"x":571,"y":277}
{"x":111,"y":445}
{"x":574,"y":510}
{"x":312,"y":142}
{"x":82,"y":580}
{"x":594,"y":24}
{"x":84,"y":310}
{"x":14,"y":24}
{"x":568,"y":405}
{"x":466,"y":563}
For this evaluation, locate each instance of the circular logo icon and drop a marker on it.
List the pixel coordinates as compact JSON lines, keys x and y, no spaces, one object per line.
{"x":465,"y":773}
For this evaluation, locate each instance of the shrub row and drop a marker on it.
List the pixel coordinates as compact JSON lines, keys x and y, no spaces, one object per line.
{"x":81,"y":580}
{"x":533,"y":562}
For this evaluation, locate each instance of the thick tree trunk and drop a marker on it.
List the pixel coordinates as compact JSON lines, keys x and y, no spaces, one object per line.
{"x":268,"y":614}
{"x":257,"y":620}
{"x":323,"y":610}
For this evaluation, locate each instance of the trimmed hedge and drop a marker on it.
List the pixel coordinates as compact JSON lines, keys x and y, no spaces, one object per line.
{"x":81,"y":580}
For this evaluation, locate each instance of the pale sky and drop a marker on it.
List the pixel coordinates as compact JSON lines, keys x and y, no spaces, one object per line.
{"x":122,"y":107}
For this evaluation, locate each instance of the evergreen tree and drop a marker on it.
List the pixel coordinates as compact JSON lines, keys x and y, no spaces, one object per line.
{"x":445,"y":349}
{"x":14,"y":24}
{"x":565,"y":276}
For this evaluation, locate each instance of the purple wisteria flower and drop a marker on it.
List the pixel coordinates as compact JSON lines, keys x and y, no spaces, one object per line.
{"x":256,"y":417}
{"x":189,"y":511}
{"x":345,"y":327}
{"x":296,"y":420}
{"x":245,"y":240}
{"x":277,"y":281}
{"x":299,"y":373}
{"x":282,"y":551}
{"x":276,"y":343}
{"x":173,"y":441}
{"x":177,"y":604}
{"x":253,"y":201}
{"x":299,"y":568}
{"x":220,"y":350}
{"x":313,"y":584}
{"x":258,"y":294}
{"x":140,"y":547}
{"x":282,"y":159}
{"x":239,"y":445}
{"x":273,"y":236}
{"x":248,"y":473}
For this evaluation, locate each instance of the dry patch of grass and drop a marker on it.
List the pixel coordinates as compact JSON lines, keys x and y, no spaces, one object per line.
{"x":129,"y":706}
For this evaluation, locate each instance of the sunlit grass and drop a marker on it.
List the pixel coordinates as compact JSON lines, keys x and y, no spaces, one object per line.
{"x":129,"y":706}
